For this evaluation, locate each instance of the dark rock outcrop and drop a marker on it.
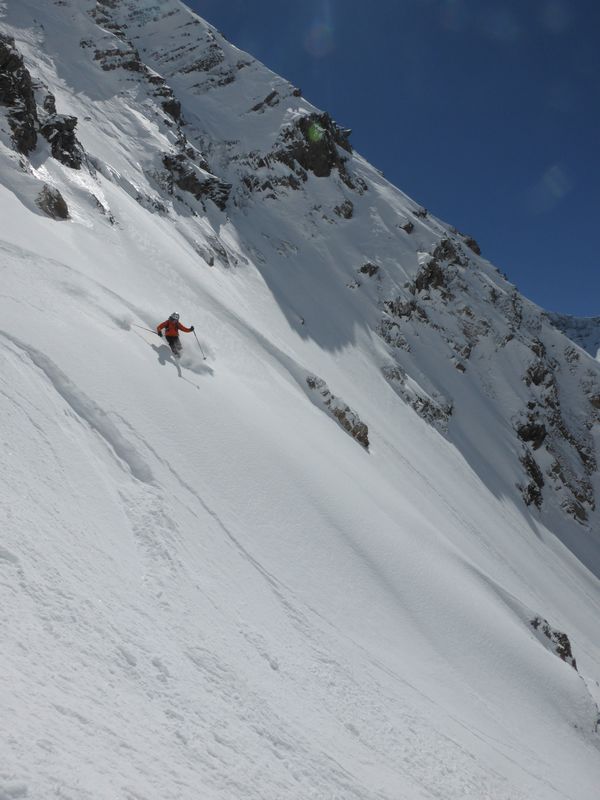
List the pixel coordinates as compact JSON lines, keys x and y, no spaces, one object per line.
{"x":369,"y":269}
{"x":559,"y":642}
{"x":558,"y":458}
{"x":435,"y":411}
{"x":345,"y":209}
{"x":101,"y":12}
{"x":188,"y":177}
{"x":52,"y":203}
{"x":212,"y":56}
{"x":532,"y":492}
{"x":172,"y":107}
{"x":28,"y":117}
{"x":533,"y":432}
{"x":121,"y":55}
{"x":431,"y":276}
{"x":272,"y":99}
{"x":473,"y":245}
{"x":59,"y":130}
{"x":16,"y":92}
{"x":436,"y":273}
{"x":407,"y":309}
{"x":391,"y":333}
{"x":313,"y":143}
{"x":537,"y":373}
{"x":448,"y":251}
{"x":345,"y":416}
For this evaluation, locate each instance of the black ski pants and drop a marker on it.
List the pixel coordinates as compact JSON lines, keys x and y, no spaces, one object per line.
{"x":174,"y":344}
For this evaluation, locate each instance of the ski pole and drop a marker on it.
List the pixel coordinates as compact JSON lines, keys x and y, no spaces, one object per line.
{"x":200,"y":346}
{"x":144,"y":329}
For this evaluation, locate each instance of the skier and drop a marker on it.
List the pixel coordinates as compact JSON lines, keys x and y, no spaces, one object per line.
{"x":172,"y":326}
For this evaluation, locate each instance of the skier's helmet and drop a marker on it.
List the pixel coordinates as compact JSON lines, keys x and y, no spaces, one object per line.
{"x":174,"y":316}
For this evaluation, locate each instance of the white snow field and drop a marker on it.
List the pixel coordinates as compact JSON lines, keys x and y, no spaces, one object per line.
{"x":208,"y":588}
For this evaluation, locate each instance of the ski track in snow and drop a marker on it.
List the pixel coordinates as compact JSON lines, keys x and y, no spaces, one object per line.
{"x":85,"y":409}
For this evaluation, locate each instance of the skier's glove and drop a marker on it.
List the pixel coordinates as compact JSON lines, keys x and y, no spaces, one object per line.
{"x":192,"y":328}
{"x":160,"y":334}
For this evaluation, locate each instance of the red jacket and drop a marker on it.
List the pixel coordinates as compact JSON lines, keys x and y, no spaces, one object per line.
{"x":172,"y":327}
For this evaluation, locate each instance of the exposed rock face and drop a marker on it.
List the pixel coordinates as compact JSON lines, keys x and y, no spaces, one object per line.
{"x":532,"y":491}
{"x":408,"y":309}
{"x":435,"y":274}
{"x":431,"y":276}
{"x":119,"y":57}
{"x":567,"y":442}
{"x":102,"y":6}
{"x":533,"y":432}
{"x":172,"y":107}
{"x":52,"y":203}
{"x":16,"y":92}
{"x":557,"y":642}
{"x":198,"y":56}
{"x":313,"y":144}
{"x":473,"y":245}
{"x":558,"y":456}
{"x":188,"y":177}
{"x":369,"y":269}
{"x":345,"y":416}
{"x":186,"y":169}
{"x":212,"y":56}
{"x":272,"y":99}
{"x":117,"y":52}
{"x":345,"y":209}
{"x":59,"y":130}
{"x":435,"y":411}
{"x":449,"y":251}
{"x":27,"y":118}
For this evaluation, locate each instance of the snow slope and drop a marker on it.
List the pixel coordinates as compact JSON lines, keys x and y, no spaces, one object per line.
{"x":208,"y":587}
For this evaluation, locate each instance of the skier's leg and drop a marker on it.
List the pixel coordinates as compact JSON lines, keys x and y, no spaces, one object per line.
{"x":172,"y":342}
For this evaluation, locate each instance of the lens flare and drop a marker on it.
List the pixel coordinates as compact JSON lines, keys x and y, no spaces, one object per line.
{"x":315,"y":132}
{"x":551,"y":188}
{"x":555,"y":16}
{"x":454,"y":15}
{"x":502,"y":25}
{"x":319,"y":40}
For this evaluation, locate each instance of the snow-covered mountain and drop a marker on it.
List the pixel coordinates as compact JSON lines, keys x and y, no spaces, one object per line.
{"x":585,"y":331}
{"x":354,"y":552}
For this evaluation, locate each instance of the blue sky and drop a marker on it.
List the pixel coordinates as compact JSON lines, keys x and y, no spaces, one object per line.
{"x":488,"y":113}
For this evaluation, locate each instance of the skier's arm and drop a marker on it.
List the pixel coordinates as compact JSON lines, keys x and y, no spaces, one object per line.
{"x":160,"y":327}
{"x":184,"y":329}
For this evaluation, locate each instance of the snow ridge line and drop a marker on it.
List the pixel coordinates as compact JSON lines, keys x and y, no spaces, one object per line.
{"x":86,"y":410}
